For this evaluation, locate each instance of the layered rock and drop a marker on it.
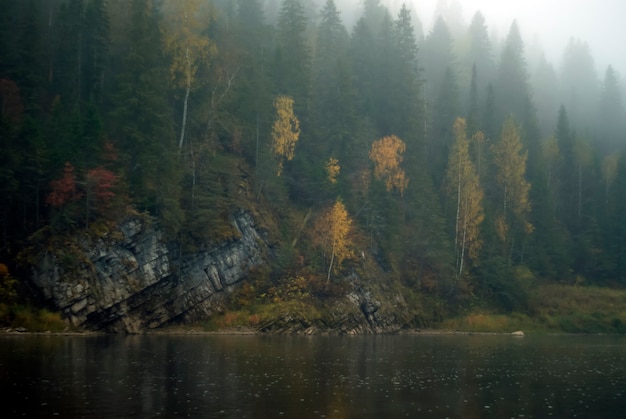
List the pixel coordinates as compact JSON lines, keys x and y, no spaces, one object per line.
{"x":130,"y":280}
{"x":135,"y":281}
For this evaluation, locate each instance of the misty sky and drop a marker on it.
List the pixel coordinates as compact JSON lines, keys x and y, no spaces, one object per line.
{"x":600,"y":23}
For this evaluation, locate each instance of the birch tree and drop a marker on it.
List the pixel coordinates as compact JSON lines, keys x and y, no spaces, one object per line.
{"x":510,"y":164}
{"x":187,"y":47}
{"x":285,"y":131}
{"x":332,"y":231}
{"x":463,"y":187}
{"x":386,"y":153}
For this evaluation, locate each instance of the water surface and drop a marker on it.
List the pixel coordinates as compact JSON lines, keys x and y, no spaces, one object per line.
{"x":213,"y":376}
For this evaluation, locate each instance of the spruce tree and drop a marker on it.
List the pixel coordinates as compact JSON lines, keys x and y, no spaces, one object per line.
{"x":511,"y":87}
{"x":293,"y":54}
{"x":611,"y":113}
{"x":141,"y":122}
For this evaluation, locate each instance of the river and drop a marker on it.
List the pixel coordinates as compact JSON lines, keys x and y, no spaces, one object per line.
{"x":252,"y":376}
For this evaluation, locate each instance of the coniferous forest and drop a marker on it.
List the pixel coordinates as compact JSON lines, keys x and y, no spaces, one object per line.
{"x":453,"y":161}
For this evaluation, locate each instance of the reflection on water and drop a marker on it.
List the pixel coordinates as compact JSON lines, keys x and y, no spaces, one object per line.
{"x":312,"y":377}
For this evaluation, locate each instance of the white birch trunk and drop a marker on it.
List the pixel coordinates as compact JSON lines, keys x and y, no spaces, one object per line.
{"x":330,"y":267}
{"x":185,"y":103}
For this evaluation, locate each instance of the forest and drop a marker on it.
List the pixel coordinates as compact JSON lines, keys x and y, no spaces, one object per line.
{"x":457,"y":163}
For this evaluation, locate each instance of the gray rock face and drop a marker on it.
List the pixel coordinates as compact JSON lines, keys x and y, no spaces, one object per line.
{"x":130,"y":281}
{"x":136,"y":282}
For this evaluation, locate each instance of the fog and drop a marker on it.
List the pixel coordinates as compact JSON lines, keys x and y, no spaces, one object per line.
{"x":550,"y":23}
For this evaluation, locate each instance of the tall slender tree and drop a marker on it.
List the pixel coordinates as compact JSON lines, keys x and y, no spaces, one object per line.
{"x":188,"y":48}
{"x":611,"y":112}
{"x":140,"y":121}
{"x":480,"y":51}
{"x":510,"y":162}
{"x":464,"y":190}
{"x":293,"y":54}
{"x":579,"y":84}
{"x":511,"y":87}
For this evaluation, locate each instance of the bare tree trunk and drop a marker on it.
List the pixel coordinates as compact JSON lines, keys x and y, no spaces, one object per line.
{"x":462,"y":259}
{"x":185,"y":103}
{"x":184,"y":122}
{"x":330,"y":267}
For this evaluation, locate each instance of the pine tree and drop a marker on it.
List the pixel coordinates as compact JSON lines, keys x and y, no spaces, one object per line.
{"x":255,"y":79}
{"x":293,"y":54}
{"x":140,"y":120}
{"x":67,"y":73}
{"x":331,"y":88}
{"x":580,"y":87}
{"x":405,"y":92}
{"x":545,"y":86}
{"x":96,"y":47}
{"x":611,"y":112}
{"x":438,"y":57}
{"x":566,"y":192}
{"x":441,"y":96}
{"x":473,"y":109}
{"x":479,"y":52}
{"x":511,"y":88}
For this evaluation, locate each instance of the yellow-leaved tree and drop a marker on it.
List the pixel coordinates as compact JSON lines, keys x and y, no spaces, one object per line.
{"x":331,"y":233}
{"x":386,"y":153}
{"x":188,"y":46}
{"x":510,"y":163}
{"x":285,"y":131}
{"x":463,"y":187}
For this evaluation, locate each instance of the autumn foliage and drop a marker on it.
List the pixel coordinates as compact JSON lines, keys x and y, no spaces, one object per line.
{"x":463,"y":187}
{"x":332,"y":231}
{"x":63,"y":190}
{"x":285,"y":131}
{"x":386,"y":154}
{"x":510,"y":162}
{"x":97,"y":187}
{"x":100,"y":183}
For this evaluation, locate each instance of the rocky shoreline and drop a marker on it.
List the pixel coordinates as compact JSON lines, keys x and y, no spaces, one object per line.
{"x":240,"y":331}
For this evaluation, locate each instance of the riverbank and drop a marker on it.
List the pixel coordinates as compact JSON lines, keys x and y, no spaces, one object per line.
{"x":552,"y":308}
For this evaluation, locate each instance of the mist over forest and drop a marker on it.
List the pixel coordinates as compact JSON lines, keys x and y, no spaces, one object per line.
{"x":446,"y":152}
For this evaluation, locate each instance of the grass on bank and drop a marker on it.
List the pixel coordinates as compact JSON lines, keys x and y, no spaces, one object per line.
{"x":553,"y":308}
{"x":31,"y":319}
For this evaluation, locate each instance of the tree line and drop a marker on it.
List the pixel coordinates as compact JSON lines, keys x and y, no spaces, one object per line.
{"x":440,"y":156}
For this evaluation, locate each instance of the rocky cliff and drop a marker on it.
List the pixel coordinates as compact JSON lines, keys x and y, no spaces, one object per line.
{"x":129,"y":280}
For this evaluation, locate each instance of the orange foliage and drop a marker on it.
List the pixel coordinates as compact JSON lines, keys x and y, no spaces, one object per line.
{"x":386,"y":153}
